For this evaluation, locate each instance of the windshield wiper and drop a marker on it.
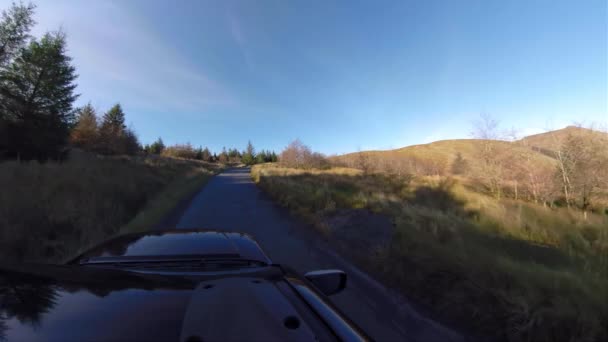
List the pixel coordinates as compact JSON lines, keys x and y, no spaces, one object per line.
{"x":172,"y":259}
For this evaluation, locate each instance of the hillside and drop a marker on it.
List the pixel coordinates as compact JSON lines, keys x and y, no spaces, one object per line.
{"x":547,"y":142}
{"x":436,"y":157}
{"x":439,"y":155}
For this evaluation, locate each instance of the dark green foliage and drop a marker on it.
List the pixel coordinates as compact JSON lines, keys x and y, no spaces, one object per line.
{"x":114,"y":119}
{"x":15,"y":26}
{"x":203,"y":154}
{"x":265,"y":157}
{"x":130,"y":142}
{"x":248,"y":157}
{"x":206,"y":155}
{"x":36,"y":97}
{"x":112,"y":127}
{"x":259,"y":158}
{"x":114,"y":136}
{"x":234,"y":155}
{"x":198,"y":153}
{"x":157,"y":147}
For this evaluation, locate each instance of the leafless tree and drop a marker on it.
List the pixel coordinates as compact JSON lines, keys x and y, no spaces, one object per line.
{"x":363,"y":161}
{"x":582,"y":164}
{"x":491,"y":153}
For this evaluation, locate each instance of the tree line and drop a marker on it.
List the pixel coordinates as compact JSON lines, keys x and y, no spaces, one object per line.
{"x":110,"y":136}
{"x":38,"y":119}
{"x":249,"y":156}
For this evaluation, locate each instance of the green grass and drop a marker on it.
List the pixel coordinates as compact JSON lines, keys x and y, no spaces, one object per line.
{"x":498,"y":268}
{"x":49,"y":212}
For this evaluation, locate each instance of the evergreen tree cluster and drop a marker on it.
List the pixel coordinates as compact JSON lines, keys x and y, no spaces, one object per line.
{"x":37,"y":94}
{"x":231,"y":155}
{"x":110,"y":136}
{"x":36,"y":88}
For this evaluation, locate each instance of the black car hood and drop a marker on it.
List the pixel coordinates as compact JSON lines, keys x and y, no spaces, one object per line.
{"x":83,"y":303}
{"x":85,"y":300}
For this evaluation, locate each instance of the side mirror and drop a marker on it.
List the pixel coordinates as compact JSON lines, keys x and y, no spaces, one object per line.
{"x":329,"y":282}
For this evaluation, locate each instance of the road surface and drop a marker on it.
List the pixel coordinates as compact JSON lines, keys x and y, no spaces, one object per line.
{"x":232,"y":202}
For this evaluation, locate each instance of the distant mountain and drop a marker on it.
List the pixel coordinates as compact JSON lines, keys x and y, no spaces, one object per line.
{"x":539,"y":148}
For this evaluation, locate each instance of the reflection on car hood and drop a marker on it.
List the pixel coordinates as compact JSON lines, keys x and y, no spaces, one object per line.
{"x":82,"y":303}
{"x":179,"y":242}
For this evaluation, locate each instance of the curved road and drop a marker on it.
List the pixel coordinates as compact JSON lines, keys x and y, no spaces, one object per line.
{"x":232,"y":202}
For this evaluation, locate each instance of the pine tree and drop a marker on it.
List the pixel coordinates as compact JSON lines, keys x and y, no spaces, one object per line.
{"x":260,"y":157}
{"x":112,"y":131}
{"x":206,"y":155}
{"x":249,"y":154}
{"x":15,"y":26}
{"x":84,"y":134}
{"x":157,"y":147}
{"x":130,"y":142}
{"x":36,"y":97}
{"x":114,"y":119}
{"x":199,"y":153}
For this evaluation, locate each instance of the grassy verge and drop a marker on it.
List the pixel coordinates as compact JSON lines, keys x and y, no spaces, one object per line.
{"x":502,"y":269}
{"x":50,"y":211}
{"x":162,"y":205}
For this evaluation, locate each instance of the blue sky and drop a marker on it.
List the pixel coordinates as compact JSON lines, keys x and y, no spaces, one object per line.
{"x":339,"y":75}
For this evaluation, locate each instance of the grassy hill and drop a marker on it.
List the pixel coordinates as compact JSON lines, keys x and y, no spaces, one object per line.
{"x":445,"y":151}
{"x":547,"y":142}
{"x":438,"y":156}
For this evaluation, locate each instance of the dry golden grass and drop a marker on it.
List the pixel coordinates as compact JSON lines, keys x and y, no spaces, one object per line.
{"x":444,"y":152}
{"x":50,"y":211}
{"x":503,"y":269}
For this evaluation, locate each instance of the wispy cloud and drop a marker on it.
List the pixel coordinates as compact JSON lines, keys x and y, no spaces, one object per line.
{"x":239,"y":38}
{"x":119,"y":58}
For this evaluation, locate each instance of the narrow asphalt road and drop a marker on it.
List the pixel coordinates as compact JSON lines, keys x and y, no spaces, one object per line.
{"x":232,"y":202}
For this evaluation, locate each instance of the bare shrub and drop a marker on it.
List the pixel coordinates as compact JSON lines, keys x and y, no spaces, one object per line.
{"x":299,"y":156}
{"x":185,"y":151}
